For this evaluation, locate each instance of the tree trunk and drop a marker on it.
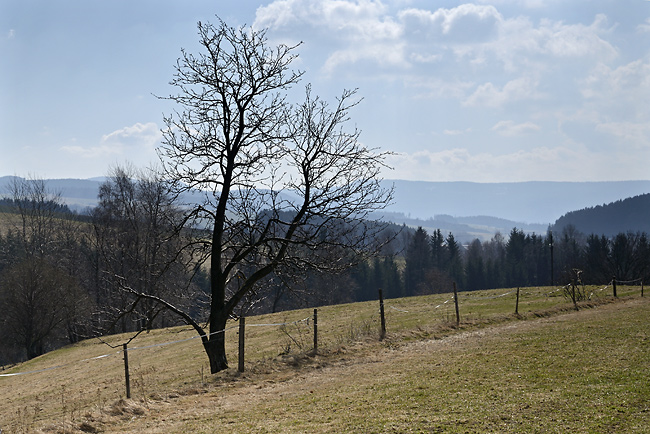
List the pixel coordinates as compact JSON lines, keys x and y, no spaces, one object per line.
{"x":215,"y":347}
{"x":34,"y":349}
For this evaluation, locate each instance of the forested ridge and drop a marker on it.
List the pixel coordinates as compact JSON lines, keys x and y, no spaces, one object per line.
{"x":610,"y":219}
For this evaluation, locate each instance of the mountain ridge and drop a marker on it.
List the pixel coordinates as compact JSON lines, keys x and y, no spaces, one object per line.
{"x":541,"y":202}
{"x":468,"y":209}
{"x":630,"y":214}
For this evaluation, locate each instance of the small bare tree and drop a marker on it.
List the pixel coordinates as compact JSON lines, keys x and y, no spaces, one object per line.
{"x":284,"y":188}
{"x":576,"y":290}
{"x":135,"y":232}
{"x":40,"y":299}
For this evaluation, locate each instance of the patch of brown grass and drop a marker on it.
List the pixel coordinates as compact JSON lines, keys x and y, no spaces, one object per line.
{"x":353,"y":373}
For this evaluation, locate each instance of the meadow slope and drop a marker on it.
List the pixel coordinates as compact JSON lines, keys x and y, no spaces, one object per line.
{"x":548,"y":370}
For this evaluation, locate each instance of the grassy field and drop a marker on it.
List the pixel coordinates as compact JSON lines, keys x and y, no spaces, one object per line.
{"x":548,"y":369}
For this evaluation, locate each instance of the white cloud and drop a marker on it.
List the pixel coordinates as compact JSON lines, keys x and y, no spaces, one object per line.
{"x":138,"y":135}
{"x":465,"y":23}
{"x":508,"y":55}
{"x":425,"y":58}
{"x":615,"y":107}
{"x":645,"y":27}
{"x":91,"y":152}
{"x":542,"y":163}
{"x":626,"y":81}
{"x":354,"y":31}
{"x":11,"y":34}
{"x":359,"y":16}
{"x":488,"y":95}
{"x":631,"y":133}
{"x":551,"y":45}
{"x":469,"y":38}
{"x":127,"y":142}
{"x":457,"y":132}
{"x":434,"y":87}
{"x":577,"y":40}
{"x":511,"y":129}
{"x":531,"y":4}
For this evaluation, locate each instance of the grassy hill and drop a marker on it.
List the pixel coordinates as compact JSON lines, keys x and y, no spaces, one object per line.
{"x":549,"y":369}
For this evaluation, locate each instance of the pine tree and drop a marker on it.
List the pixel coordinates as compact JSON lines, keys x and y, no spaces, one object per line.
{"x":418,"y":260}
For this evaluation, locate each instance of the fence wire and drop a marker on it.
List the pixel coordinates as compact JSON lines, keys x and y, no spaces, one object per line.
{"x":162,"y":344}
{"x":305,"y":320}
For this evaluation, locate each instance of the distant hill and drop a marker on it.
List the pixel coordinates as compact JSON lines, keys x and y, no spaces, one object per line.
{"x":529,"y":202}
{"x":78,"y":194}
{"x":631,"y":214}
{"x":468,"y":209}
{"x":465,"y":229}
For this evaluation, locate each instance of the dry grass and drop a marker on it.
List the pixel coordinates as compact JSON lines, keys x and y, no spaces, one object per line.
{"x":562,"y":370}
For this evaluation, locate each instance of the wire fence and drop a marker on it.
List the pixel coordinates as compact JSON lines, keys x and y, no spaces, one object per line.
{"x":392,"y":306}
{"x":162,"y":367}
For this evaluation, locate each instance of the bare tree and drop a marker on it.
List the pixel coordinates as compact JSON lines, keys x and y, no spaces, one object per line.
{"x":136,"y":235}
{"x":284,"y":189}
{"x":40,"y":299}
{"x":35,"y":299}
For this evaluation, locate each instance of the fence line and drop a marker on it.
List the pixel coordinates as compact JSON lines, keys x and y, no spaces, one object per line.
{"x":471,"y":298}
{"x":162,"y":344}
{"x":60,"y":366}
{"x":494,"y":296}
{"x":627,"y":282}
{"x":305,"y":320}
{"x":280,"y":324}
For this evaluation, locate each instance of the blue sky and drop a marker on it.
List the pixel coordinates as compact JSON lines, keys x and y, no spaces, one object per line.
{"x":491,"y":91}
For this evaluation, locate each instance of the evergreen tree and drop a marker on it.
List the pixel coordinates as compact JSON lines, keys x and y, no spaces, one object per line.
{"x":569,"y":253}
{"x":438,"y":250}
{"x":454,"y":264}
{"x":641,"y":268}
{"x":475,"y":267}
{"x":515,"y":259}
{"x":392,"y":280}
{"x":597,"y":263}
{"x":418,"y":256}
{"x":494,"y":251}
{"x":622,"y":255}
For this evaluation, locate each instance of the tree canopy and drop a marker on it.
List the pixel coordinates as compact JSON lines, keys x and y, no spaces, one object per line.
{"x":285,"y":187}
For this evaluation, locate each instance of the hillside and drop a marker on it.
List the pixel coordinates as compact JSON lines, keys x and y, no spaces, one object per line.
{"x":468,"y":209}
{"x":496,"y":372}
{"x":527,"y":202}
{"x":631,"y":214}
{"x":78,"y":194}
{"x":466,"y":229}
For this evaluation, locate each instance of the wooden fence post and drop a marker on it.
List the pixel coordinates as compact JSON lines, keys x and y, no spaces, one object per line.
{"x":456,"y":303}
{"x":614,"y":285}
{"x":242,"y":330}
{"x":573,"y":294}
{"x":517,"y":304}
{"x":315,"y":331}
{"x":126,"y":371}
{"x":381,"y":313}
{"x":642,"y":288}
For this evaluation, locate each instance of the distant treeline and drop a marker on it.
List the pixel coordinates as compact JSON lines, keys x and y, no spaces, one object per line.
{"x":14,"y":205}
{"x":433,"y":263}
{"x":65,"y":276}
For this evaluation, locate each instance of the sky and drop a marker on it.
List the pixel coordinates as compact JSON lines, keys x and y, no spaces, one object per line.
{"x":490,"y":91}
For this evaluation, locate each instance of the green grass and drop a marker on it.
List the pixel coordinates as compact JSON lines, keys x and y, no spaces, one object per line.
{"x":581,"y":372}
{"x":550,"y":369}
